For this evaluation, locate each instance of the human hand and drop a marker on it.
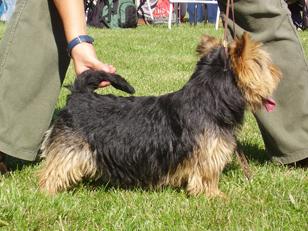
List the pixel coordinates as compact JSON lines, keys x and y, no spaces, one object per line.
{"x":84,"y":58}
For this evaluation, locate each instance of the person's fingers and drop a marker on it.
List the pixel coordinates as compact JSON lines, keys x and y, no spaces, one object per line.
{"x":85,"y":58}
{"x":112,"y":69}
{"x":104,"y":84}
{"x":105,"y":67}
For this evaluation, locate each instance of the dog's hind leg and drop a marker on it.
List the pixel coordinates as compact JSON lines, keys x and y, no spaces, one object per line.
{"x":69,"y":159}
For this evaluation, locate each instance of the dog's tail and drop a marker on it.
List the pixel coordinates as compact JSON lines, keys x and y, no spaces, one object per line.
{"x":90,"y":80}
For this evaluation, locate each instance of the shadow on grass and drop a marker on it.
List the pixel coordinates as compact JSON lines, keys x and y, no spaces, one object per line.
{"x":14,"y":164}
{"x":102,"y":186}
{"x":254,"y":153}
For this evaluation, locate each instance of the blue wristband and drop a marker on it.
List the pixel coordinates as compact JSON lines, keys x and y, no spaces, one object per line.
{"x":77,"y":40}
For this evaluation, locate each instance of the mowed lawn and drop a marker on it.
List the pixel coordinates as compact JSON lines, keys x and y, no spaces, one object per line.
{"x":155,"y":61}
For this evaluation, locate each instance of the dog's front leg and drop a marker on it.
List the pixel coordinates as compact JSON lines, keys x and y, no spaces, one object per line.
{"x":207,"y":163}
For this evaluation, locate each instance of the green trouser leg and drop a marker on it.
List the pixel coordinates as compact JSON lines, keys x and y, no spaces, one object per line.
{"x":33,"y":63}
{"x":285,"y":131}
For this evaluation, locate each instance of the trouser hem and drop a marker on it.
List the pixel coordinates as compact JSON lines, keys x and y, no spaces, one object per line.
{"x":291,"y":157}
{"x":24,"y":154}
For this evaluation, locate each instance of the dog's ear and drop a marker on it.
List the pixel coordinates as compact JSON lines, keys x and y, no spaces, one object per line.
{"x":242,"y":50}
{"x":206,"y":44}
{"x":256,"y":75}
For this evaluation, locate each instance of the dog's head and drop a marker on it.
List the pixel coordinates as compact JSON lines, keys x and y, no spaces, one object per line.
{"x":255,"y":74}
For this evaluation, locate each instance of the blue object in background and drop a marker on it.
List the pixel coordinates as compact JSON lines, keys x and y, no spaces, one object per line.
{"x":1,"y":7}
{"x":211,"y":12}
{"x":191,"y":12}
{"x":7,"y":8}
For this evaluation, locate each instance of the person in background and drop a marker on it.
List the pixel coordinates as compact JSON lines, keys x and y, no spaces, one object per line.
{"x":211,"y":13}
{"x":199,"y":12}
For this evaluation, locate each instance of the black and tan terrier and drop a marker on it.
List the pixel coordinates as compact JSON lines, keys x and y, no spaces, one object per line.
{"x":181,"y":139}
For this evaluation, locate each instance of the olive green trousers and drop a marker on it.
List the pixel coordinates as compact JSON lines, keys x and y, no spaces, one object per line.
{"x":285,"y":131}
{"x":33,"y":63}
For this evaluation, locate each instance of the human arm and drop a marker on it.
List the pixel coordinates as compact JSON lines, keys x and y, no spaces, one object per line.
{"x":83,"y":54}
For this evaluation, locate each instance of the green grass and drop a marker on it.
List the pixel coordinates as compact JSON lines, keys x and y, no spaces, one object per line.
{"x":156,"y":60}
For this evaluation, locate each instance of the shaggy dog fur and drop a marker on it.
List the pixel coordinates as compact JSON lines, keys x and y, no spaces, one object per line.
{"x":181,"y":139}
